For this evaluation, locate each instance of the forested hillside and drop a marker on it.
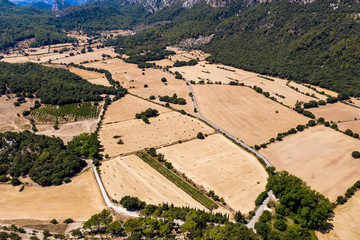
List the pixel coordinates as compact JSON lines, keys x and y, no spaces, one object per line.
{"x":52,"y":86}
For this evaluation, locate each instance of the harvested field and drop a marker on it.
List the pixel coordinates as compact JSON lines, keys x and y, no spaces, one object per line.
{"x":352,"y":125}
{"x":218,"y":164}
{"x":125,"y":109}
{"x":9,"y":121}
{"x":245,"y":114}
{"x":320,"y":156}
{"x":164,"y":129}
{"x":89,"y":56}
{"x":336,"y":112}
{"x":132,"y":176}
{"x":79,"y":200}
{"x":130,"y":76}
{"x":181,"y":55}
{"x":346,"y":221}
{"x":91,"y":76}
{"x":68,"y":130}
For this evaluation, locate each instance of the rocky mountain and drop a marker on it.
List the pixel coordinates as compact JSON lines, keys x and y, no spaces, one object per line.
{"x":53,"y":5}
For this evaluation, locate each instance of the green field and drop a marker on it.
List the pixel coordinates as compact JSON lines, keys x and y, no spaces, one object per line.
{"x":186,"y":187}
{"x":73,"y":111}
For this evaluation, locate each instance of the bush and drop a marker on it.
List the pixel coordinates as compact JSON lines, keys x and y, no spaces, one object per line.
{"x":349,"y":132}
{"x":152,"y":97}
{"x":68,"y":220}
{"x":26,"y":113}
{"x":300,"y":127}
{"x":356,"y":135}
{"x":311,"y":123}
{"x":15,"y":181}
{"x":4,"y":178}
{"x":163,"y":80}
{"x":341,"y":200}
{"x":239,"y":217}
{"x":334,"y":126}
{"x":260,"y":198}
{"x":145,"y":86}
{"x":355,"y":154}
{"x":54,"y":221}
{"x":132,"y":203}
{"x":168,"y":165}
{"x":200,"y":135}
{"x":331,"y":100}
{"x":280,"y":225}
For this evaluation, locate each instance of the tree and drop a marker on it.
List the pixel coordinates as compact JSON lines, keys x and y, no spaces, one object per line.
{"x":349,"y":132}
{"x":68,"y":220}
{"x":165,"y":229}
{"x":355,"y":154}
{"x":76,"y":233}
{"x":54,"y":221}
{"x":163,"y":79}
{"x":15,"y":181}
{"x":115,"y":229}
{"x":239,"y":217}
{"x":311,"y":123}
{"x":132,"y":203}
{"x":200,"y":135}
{"x":300,"y":127}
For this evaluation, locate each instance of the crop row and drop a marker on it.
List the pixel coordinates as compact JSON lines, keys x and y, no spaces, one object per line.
{"x":74,"y":110}
{"x":186,"y":187}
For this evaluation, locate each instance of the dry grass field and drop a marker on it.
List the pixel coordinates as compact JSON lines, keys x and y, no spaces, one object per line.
{"x":132,"y":176}
{"x":164,"y":129}
{"x":346,"y":221}
{"x":353,"y":125}
{"x":337,"y":112}
{"x":79,"y":200}
{"x":9,"y":121}
{"x":89,"y":56}
{"x":321,"y":157}
{"x":67,"y":131}
{"x":218,"y":164}
{"x":131,"y":77}
{"x":181,"y":55}
{"x":91,"y":76}
{"x":125,"y":109}
{"x":245,"y":114}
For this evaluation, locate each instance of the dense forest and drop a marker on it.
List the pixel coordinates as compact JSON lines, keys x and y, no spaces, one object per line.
{"x":46,"y":160}
{"x":52,"y":86}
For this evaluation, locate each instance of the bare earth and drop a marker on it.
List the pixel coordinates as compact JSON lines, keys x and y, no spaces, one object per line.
{"x":9,"y":121}
{"x":132,"y":176}
{"x":346,"y":221}
{"x":79,"y":200}
{"x":137,"y":135}
{"x":321,"y":157}
{"x":91,"y":76}
{"x":336,"y":112}
{"x":130,"y":76}
{"x":245,"y":114}
{"x":219,"y":165}
{"x":353,"y":125}
{"x":127,"y":107}
{"x":68,"y":130}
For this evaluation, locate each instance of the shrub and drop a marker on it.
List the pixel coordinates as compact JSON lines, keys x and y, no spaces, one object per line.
{"x":311,"y":123}
{"x":200,"y":135}
{"x":239,"y":217}
{"x":163,"y":80}
{"x":168,"y":165}
{"x":300,"y":127}
{"x":327,"y":124}
{"x":334,"y":126}
{"x":54,"y":221}
{"x":322,"y":102}
{"x":280,"y":225}
{"x":341,"y":200}
{"x":15,"y":181}
{"x":152,"y":97}
{"x":260,"y":198}
{"x":26,"y":113}
{"x":355,"y":154}
{"x":145,"y":86}
{"x":4,"y":178}
{"x":349,"y":132}
{"x":356,"y":135}
{"x":331,"y":100}
{"x":132,"y":203}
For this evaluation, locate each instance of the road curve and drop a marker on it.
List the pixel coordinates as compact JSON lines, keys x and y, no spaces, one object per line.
{"x":106,"y":198}
{"x":260,"y":210}
{"x":267,"y":163}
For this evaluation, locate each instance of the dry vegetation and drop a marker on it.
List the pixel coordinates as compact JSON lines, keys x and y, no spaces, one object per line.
{"x":337,"y":112}
{"x":91,"y":76}
{"x":164,"y":129}
{"x":126,"y":108}
{"x":321,"y":157}
{"x":132,"y":176}
{"x":131,"y":77}
{"x":346,"y":221}
{"x":245,"y":114}
{"x":218,"y":164}
{"x":79,"y":200}
{"x":9,"y":121}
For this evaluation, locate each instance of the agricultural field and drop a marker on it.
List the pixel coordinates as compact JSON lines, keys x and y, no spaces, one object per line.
{"x":79,"y":58}
{"x":131,"y":77}
{"x":346,"y":221}
{"x":136,"y":135}
{"x":91,"y":76}
{"x":130,"y":175}
{"x":337,"y":112}
{"x":79,"y":200}
{"x":125,"y":109}
{"x":9,"y":119}
{"x":219,"y":165}
{"x":244,"y":113}
{"x":72,"y":112}
{"x":181,"y":55}
{"x":352,"y":125}
{"x":320,"y":156}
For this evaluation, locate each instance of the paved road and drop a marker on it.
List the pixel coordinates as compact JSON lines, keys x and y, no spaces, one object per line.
{"x":261,"y":208}
{"x":259,"y":211}
{"x":108,"y":203}
{"x":267,"y":163}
